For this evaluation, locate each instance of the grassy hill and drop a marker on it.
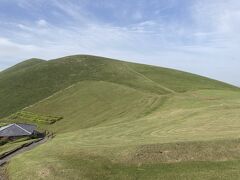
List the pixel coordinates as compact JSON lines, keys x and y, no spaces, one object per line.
{"x":122,"y":120}
{"x":33,"y":80}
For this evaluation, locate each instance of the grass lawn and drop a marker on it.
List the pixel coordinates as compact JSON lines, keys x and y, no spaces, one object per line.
{"x":117,"y":132}
{"x":119,"y":120}
{"x":14,"y":144}
{"x":71,"y":162}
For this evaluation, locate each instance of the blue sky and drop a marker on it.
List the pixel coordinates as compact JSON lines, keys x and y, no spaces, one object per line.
{"x":199,"y":36}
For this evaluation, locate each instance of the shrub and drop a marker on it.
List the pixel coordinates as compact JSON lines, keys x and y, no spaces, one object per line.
{"x":26,"y":116}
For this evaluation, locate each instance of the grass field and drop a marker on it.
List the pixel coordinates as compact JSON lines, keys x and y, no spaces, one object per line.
{"x":123,"y":121}
{"x":11,"y":145}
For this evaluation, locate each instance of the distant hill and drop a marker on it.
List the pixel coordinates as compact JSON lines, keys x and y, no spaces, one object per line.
{"x":33,"y":80}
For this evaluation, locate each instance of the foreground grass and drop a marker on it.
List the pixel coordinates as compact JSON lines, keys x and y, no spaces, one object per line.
{"x":122,"y":121}
{"x":108,"y":114}
{"x":13,"y":144}
{"x":189,"y":170}
{"x":111,"y":131}
{"x":3,"y":173}
{"x":69,"y":162}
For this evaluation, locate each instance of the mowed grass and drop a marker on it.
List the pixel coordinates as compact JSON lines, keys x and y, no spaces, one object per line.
{"x":14,"y":144}
{"x":33,"y":80}
{"x":113,"y":112}
{"x":113,"y":131}
{"x":122,"y":121}
{"x":72,"y":164}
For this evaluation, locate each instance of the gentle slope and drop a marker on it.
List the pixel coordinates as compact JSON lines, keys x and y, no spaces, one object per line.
{"x":124,"y":121}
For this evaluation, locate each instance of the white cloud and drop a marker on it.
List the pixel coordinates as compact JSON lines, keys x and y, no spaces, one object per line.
{"x":10,"y":52}
{"x":42,"y":23}
{"x":24,"y":27}
{"x":8,"y":47}
{"x":217,"y":15}
{"x":201,"y":47}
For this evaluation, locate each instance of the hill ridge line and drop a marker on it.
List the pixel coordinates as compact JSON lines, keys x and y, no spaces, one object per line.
{"x":161,"y":86}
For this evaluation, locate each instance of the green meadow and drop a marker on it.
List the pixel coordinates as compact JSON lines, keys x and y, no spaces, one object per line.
{"x":119,"y":120}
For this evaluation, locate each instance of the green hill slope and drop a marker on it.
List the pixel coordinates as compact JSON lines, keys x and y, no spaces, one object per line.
{"x":113,"y":113}
{"x":33,"y":80}
{"x":123,"y":121}
{"x":177,"y":80}
{"x":113,"y":131}
{"x":22,"y":66}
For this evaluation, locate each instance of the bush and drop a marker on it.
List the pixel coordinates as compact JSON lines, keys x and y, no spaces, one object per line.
{"x":26,"y":116}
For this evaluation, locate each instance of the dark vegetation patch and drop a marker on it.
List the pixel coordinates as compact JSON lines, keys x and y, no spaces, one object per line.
{"x":26,"y":116}
{"x":4,"y":141}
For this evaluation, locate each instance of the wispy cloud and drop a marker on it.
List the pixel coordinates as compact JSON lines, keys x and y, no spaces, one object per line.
{"x":42,"y":23}
{"x":197,"y":36}
{"x":8,"y":47}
